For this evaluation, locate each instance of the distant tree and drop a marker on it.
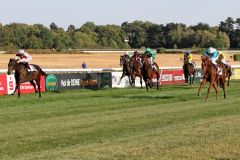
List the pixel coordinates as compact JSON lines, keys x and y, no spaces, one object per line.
{"x":200,"y":26}
{"x":110,"y":36}
{"x":61,"y":40}
{"x":238,"y":23}
{"x":136,"y":33}
{"x":83,"y":40}
{"x":221,"y":41}
{"x":154,"y":36}
{"x":88,"y":27}
{"x":53,"y":26}
{"x":71,"y":28}
{"x":203,"y":38}
{"x":228,"y":27}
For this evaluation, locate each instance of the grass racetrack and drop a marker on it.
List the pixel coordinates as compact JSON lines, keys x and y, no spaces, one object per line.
{"x":173,"y":123}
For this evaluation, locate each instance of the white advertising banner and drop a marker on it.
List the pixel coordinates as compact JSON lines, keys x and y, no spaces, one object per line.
{"x":124,"y":82}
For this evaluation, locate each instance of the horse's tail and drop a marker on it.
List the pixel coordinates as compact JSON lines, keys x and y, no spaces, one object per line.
{"x":42,"y":72}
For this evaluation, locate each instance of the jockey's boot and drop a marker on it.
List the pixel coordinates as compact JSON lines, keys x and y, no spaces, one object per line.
{"x":28,"y":67}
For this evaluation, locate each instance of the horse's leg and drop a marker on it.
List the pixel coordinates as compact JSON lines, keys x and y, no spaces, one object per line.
{"x":228,"y":79}
{"x":158,"y":76}
{"x":18,"y":85}
{"x":193,"y":77}
{"x":133,"y":79}
{"x":15,"y":89}
{"x":222,"y":81}
{"x":38,"y":84}
{"x":34,"y":85}
{"x":146,"y":82}
{"x":186,"y":79}
{"x":141,"y":80}
{"x":190,"y":79}
{"x":201,"y":85}
{"x":209,"y":88}
{"x":216,"y":88}
{"x":123,"y":75}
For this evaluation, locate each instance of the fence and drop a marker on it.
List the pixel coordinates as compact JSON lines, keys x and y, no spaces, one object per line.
{"x":65,"y":79}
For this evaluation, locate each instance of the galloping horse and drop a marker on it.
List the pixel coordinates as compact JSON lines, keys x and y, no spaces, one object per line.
{"x":210,"y":74}
{"x":136,"y":69}
{"x":126,"y":69}
{"x":228,"y":69}
{"x":148,"y":72}
{"x":189,"y":71}
{"x":21,"y":75}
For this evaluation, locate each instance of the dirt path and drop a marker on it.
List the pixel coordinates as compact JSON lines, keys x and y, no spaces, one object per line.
{"x":97,"y":60}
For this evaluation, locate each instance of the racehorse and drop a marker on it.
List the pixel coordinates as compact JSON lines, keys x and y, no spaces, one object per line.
{"x":228,"y":69}
{"x":210,"y":74}
{"x":135,"y":69}
{"x":148,"y":72}
{"x":126,"y":69}
{"x":189,"y":71}
{"x":21,"y":75}
{"x":228,"y":73}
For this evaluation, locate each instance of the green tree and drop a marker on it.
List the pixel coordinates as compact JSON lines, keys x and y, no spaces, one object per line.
{"x":155,"y":37}
{"x":53,"y":26}
{"x":110,"y":36}
{"x":204,"y":39}
{"x":221,"y":41}
{"x":61,"y":40}
{"x":136,"y":33}
{"x":83,"y":40}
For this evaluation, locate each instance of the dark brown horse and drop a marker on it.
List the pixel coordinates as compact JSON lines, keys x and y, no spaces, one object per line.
{"x":149,"y":72}
{"x":210,"y":74}
{"x":126,"y":69}
{"x":227,"y":68}
{"x":136,"y":69}
{"x":22,"y":75}
{"x":189,"y":71}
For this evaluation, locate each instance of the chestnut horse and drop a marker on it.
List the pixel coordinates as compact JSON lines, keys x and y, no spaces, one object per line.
{"x":210,"y":74}
{"x":136,"y":69}
{"x":22,"y":75}
{"x":189,"y":71}
{"x":148,"y":72}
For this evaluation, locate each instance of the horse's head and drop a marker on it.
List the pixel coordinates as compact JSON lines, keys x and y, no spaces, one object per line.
{"x":185,"y":59}
{"x":11,"y":65}
{"x":205,"y":64}
{"x":123,"y":60}
{"x":144,"y":58}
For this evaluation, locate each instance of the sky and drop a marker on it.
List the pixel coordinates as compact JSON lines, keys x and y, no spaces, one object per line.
{"x":102,"y":12}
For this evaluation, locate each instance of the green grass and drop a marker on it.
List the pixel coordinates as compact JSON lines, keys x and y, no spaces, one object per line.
{"x":173,"y":123}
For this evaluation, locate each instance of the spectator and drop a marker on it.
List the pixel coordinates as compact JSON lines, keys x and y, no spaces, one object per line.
{"x":84,"y":65}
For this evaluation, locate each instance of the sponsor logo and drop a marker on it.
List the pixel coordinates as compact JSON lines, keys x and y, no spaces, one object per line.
{"x":51,"y":82}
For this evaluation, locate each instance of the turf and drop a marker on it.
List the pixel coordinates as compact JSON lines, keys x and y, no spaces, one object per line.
{"x":172,"y":123}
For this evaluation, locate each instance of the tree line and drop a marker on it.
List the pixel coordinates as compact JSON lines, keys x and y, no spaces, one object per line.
{"x":136,"y":34}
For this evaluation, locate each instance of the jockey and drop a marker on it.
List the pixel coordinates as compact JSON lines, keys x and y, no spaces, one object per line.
{"x":190,"y":57}
{"x":137,"y":56}
{"x":127,"y":55}
{"x":213,"y":54}
{"x":151,"y":56}
{"x":222,"y":55}
{"x":24,"y":57}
